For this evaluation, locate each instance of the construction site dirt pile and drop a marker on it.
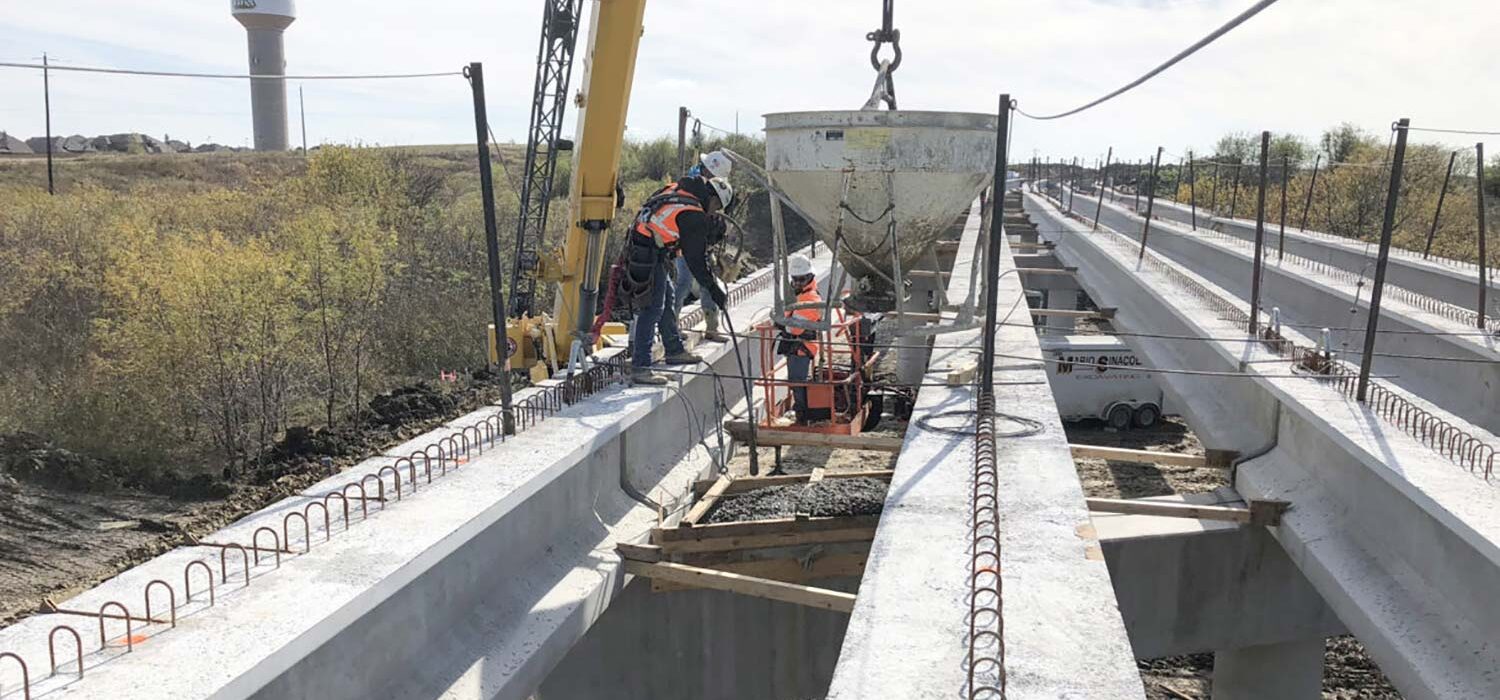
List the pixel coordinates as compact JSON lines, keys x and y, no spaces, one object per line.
{"x":821,"y":499}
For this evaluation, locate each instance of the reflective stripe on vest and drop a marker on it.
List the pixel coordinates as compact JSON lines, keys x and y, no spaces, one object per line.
{"x":813,"y":314}
{"x":659,"y":221}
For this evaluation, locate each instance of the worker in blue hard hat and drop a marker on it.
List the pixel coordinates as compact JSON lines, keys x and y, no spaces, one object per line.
{"x":679,"y":218}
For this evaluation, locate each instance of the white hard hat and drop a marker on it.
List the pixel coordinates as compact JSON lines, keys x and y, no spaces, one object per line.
{"x":717,"y":164}
{"x":723,"y":189}
{"x":797,"y":265}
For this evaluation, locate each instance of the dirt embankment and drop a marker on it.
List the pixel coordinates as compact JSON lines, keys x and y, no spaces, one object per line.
{"x":68,"y":521}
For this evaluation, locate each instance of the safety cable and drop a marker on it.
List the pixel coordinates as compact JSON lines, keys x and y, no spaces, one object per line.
{"x":228,"y":76}
{"x":1453,"y":131}
{"x":1205,"y":41}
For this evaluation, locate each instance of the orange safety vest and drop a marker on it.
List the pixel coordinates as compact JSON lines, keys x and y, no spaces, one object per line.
{"x":808,"y":295}
{"x":657,"y":219}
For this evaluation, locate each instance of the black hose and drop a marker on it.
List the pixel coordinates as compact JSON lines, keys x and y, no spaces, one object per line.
{"x":749,"y":394}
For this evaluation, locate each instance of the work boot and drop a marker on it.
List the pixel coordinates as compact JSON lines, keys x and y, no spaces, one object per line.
{"x":683,"y":358}
{"x":644,"y":376}
{"x":711,"y":327}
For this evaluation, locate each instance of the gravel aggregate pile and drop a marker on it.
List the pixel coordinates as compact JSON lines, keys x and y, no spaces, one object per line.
{"x":826,"y":498}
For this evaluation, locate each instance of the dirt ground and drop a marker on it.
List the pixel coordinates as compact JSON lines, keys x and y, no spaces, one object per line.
{"x":1348,"y":671}
{"x":61,"y":534}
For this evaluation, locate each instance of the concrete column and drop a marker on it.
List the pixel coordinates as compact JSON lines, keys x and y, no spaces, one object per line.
{"x":268,"y":97}
{"x":1286,"y":671}
{"x":1060,"y":299}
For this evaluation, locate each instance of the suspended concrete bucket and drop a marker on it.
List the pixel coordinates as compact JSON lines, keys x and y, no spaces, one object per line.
{"x":887,"y":183}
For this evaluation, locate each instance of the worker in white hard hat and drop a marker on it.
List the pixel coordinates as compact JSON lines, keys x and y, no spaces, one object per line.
{"x":800,"y":345}
{"x":678,"y":219}
{"x":712,"y":164}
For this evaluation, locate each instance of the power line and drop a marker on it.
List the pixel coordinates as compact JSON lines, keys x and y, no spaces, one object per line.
{"x":1205,"y":41}
{"x":228,"y":76}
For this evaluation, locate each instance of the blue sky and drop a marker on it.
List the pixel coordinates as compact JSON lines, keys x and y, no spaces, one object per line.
{"x":1301,"y":66}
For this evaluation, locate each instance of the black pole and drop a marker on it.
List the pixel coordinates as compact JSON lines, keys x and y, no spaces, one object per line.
{"x":1150,"y":202}
{"x":1103,"y":184}
{"x":1177,"y":181}
{"x":1213,"y":193}
{"x":992,"y":252}
{"x":1260,"y":235}
{"x":1484,"y":262}
{"x":1442,"y":194}
{"x":47,"y":105}
{"x":1286,"y":174}
{"x":475,"y":73}
{"x":1193,"y":189}
{"x":1373,"y":323}
{"x":1135,"y":206}
{"x":682,"y":117}
{"x":302,"y":114}
{"x":1308,"y":206}
{"x":1234,"y":197}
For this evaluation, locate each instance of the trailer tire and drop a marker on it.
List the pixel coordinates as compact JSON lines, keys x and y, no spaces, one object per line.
{"x":1147,"y":416}
{"x":1119,"y":417}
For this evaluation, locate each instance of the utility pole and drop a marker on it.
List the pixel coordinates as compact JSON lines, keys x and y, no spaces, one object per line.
{"x":1260,"y":235}
{"x":1372,"y":325}
{"x":302,"y":112}
{"x":475,"y":74}
{"x":47,"y":105}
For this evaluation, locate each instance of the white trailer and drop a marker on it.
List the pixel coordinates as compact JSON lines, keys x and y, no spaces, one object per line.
{"x":1095,"y":376}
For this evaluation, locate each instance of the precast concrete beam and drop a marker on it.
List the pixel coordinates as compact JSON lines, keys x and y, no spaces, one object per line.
{"x":909,"y":634}
{"x":1403,"y":544}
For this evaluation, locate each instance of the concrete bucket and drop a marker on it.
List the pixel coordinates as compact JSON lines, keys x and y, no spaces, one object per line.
{"x":854,"y":173}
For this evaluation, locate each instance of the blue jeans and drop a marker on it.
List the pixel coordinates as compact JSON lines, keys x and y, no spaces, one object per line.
{"x":657,"y":316}
{"x":799,"y":368}
{"x":686,"y":284}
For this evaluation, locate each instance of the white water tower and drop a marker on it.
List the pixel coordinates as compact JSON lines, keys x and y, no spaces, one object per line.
{"x":264,"y":21}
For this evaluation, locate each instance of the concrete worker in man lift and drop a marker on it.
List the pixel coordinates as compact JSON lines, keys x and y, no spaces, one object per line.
{"x":711,"y":165}
{"x":678,"y":219}
{"x":800,"y":345}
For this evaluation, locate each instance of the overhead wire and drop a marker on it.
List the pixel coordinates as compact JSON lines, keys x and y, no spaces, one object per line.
{"x":1205,"y":41}
{"x":229,"y":76}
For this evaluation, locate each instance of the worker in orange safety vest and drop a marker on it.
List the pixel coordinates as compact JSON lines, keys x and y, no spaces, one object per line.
{"x":800,"y":345}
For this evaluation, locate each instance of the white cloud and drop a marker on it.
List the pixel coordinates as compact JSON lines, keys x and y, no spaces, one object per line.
{"x":1299,"y":66}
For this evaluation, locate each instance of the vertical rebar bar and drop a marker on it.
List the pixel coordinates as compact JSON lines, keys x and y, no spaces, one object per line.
{"x":1442,"y":194}
{"x":992,"y":251}
{"x":1177,"y":179}
{"x":1193,"y":189}
{"x":302,"y":116}
{"x":1260,"y":235}
{"x":682,"y":117}
{"x":1286,"y":174}
{"x":1213,"y":193}
{"x":1484,"y":262}
{"x":1150,"y":202}
{"x":1103,"y":184}
{"x":1234,"y":197}
{"x":475,"y":73}
{"x":1372,"y":324}
{"x":1135,"y":206}
{"x":1306,"y":208}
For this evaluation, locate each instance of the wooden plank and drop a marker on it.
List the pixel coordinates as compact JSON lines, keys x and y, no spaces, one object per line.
{"x":1121,"y":454}
{"x":1048,"y":270}
{"x":1169,"y":509}
{"x":700,"y":508}
{"x":740,"y":430}
{"x":788,"y":570}
{"x":699,"y":577}
{"x":760,"y":527}
{"x":751,"y":483}
{"x":638,"y":552}
{"x":817,"y":475}
{"x":779,"y":539}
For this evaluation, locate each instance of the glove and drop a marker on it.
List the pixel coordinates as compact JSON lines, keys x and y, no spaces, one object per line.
{"x":720,"y":297}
